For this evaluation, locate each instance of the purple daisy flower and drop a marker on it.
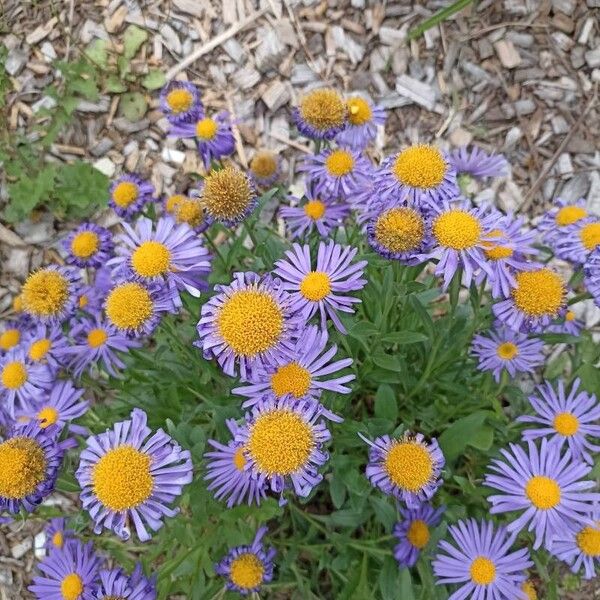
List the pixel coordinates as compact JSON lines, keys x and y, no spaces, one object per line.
{"x":505,"y":349}
{"x":569,"y":324}
{"x":324,"y":289}
{"x":578,"y":240}
{"x":477,"y":163}
{"x":247,"y":568}
{"x":57,"y":533}
{"x":591,"y":271}
{"x":265,"y":168}
{"x":88,"y":246}
{"x":546,"y":486}
{"x":180,"y":102}
{"x":91,"y":299}
{"x":413,"y":532}
{"x":46,"y":344}
{"x":565,"y":418}
{"x":116,"y":584}
{"x":364,"y":118}
{"x":68,"y":573}
{"x":225,"y":470}
{"x":128,"y":195}
{"x":128,"y":477}
{"x":480,"y":560}
{"x":407,"y":468}
{"x":559,"y":218}
{"x":11,"y":336}
{"x":321,"y":114}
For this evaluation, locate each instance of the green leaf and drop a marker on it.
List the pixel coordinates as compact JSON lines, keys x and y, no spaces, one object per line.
{"x":154,"y":79}
{"x":404,"y":337}
{"x":97,"y":52}
{"x":405,"y":588}
{"x":133,"y":106}
{"x":388,"y":579}
{"x":114,"y":84}
{"x":386,"y":406}
{"x":28,"y":192}
{"x":133,"y":38}
{"x":461,"y":433}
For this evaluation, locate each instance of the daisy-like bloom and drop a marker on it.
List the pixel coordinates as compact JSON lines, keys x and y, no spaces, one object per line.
{"x":226,"y":472}
{"x":420,"y":173}
{"x":407,"y":468}
{"x":88,"y":246}
{"x":166,"y":252}
{"x":170,"y":203}
{"x":180,"y":102}
{"x":363,"y":119}
{"x":30,"y":458}
{"x":548,"y":488}
{"x":537,"y":298}
{"x":50,"y":294}
{"x":265,"y":168}
{"x":322,"y":290}
{"x":57,"y":533}
{"x":565,"y":418}
{"x":505,"y":349}
{"x":300,"y":374}
{"x":247,"y":323}
{"x":591,"y":271}
{"x":128,"y":478}
{"x":68,"y":573}
{"x":477,"y":163}
{"x":10,"y":337}
{"x":247,"y":568}
{"x":46,"y":344}
{"x":213,"y":136}
{"x":321,"y":114}
{"x":481,"y":561}
{"x":115,"y":584}
{"x":579,"y":240}
{"x":413,"y":532}
{"x":128,"y":194}
{"x":569,"y":324}
{"x":559,"y":218}
{"x":191,"y":212}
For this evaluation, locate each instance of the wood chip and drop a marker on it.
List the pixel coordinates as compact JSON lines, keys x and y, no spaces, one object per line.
{"x":507,"y":53}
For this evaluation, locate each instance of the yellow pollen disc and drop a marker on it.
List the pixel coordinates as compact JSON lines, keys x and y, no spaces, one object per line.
{"x":539,"y":293}
{"x":566,"y":424}
{"x":206,"y":129}
{"x":14,"y":375}
{"x":418,"y":534}
{"x":173,"y":202}
{"x":315,"y":209}
{"x":151,"y":259}
{"x":96,"y":337}
{"x":250,"y":322}
{"x":9,"y":339}
{"x":339,"y":163}
{"x":18,"y":303}
{"x":85,"y":244}
{"x":543,"y":492}
{"x":179,"y":100}
{"x":359,"y":111}
{"x":291,"y":379}
{"x":400,"y":229}
{"x":45,"y":293}
{"x":483,"y":571}
{"x":22,"y":467}
{"x":280,"y":442}
{"x":315,"y":286}
{"x":246,"y":571}
{"x":264,"y":164}
{"x":568,"y":215}
{"x":590,"y":235}
{"x":239,"y":460}
{"x":129,"y":306}
{"x":71,"y":587}
{"x":529,"y":590}
{"x":498,"y":252}
{"x":39,"y":349}
{"x":457,"y":229}
{"x":58,"y":539}
{"x":323,"y":109}
{"x":420,"y":166}
{"x":48,"y":416}
{"x":570,"y":316}
{"x":83,"y":301}
{"x":125,"y":193}
{"x":409,"y":465}
{"x":507,"y":350}
{"x":588,"y":541}
{"x":189,"y":211}
{"x":227,"y":193}
{"x":122,"y":478}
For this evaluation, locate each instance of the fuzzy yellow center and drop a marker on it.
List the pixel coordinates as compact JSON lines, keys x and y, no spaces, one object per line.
{"x":409,"y":465}
{"x":529,"y":590}
{"x":539,"y":293}
{"x":280,"y":442}
{"x":96,"y":337}
{"x":420,"y":166}
{"x":227,"y":193}
{"x":22,"y":467}
{"x":250,"y":322}
{"x":418,"y":534}
{"x":590,"y":235}
{"x":206,"y":129}
{"x":314,"y":209}
{"x":457,"y":229}
{"x":246,"y":571}
{"x":570,"y":316}
{"x":180,"y":100}
{"x":339,"y":163}
{"x":71,"y":587}
{"x":189,"y":211}
{"x":45,"y":293}
{"x":543,"y":492}
{"x":483,"y":571}
{"x":264,"y":164}
{"x":83,"y":301}
{"x":173,"y":202}
{"x":567,"y":215}
{"x":39,"y":349}
{"x":14,"y":375}
{"x":48,"y":416}
{"x":315,"y":286}
{"x":129,"y":306}
{"x":498,"y":252}
{"x":291,"y":379}
{"x":323,"y":109}
{"x":239,"y":460}
{"x":588,"y":541}
{"x":9,"y":339}
{"x":18,"y":303}
{"x":566,"y":424}
{"x":58,"y":539}
{"x":400,"y":229}
{"x":122,"y":478}
{"x":125,"y":193}
{"x":507,"y":350}
{"x":359,"y":111}
{"x":85,"y":244}
{"x":151,"y":259}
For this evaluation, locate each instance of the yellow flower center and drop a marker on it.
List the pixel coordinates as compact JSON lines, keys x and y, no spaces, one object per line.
{"x":18,"y":303}
{"x":173,"y":202}
{"x":566,"y":424}
{"x":280,"y":442}
{"x":14,"y":375}
{"x":47,"y":416}
{"x":227,"y":193}
{"x":246,"y":571}
{"x":529,"y":590}
{"x":323,"y":109}
{"x":71,"y":587}
{"x":96,"y":337}
{"x":264,"y":164}
{"x":590,"y":235}
{"x":9,"y":339}
{"x":498,"y":252}
{"x":420,"y":166}
{"x":483,"y":571}
{"x":400,"y":229}
{"x":85,"y":244}
{"x":457,"y":229}
{"x":569,"y":316}
{"x":418,"y":534}
{"x":315,"y":209}
{"x":339,"y":163}
{"x":315,"y":286}
{"x":189,"y":211}
{"x":206,"y":129}
{"x":151,"y":259}
{"x":543,"y":492}
{"x":359,"y":111}
{"x":122,"y":478}
{"x":45,"y":293}
{"x":588,"y":541}
{"x":507,"y":350}
{"x":409,"y":465}
{"x":83,"y":301}
{"x":539,"y":292}
{"x":22,"y":467}
{"x":250,"y":322}
{"x":125,"y":193}
{"x":39,"y":349}
{"x":179,"y":100}
{"x":567,"y":215}
{"x":291,"y":379}
{"x":239,"y":460}
{"x":58,"y":539}
{"x":129,"y":306}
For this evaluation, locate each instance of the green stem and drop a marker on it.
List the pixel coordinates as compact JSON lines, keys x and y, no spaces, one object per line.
{"x":579,"y":298}
{"x":437,"y":18}
{"x":216,"y":250}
